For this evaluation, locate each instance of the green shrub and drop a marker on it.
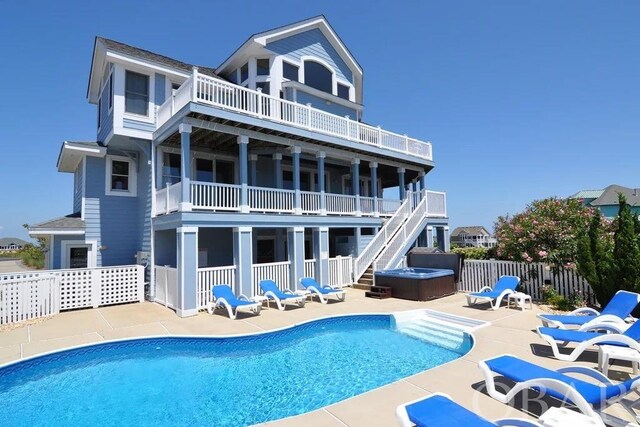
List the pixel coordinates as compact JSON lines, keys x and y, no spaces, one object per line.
{"x":32,"y":256}
{"x":471,"y":253}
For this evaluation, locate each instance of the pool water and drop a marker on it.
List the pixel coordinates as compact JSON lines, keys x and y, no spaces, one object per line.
{"x":233,"y":381}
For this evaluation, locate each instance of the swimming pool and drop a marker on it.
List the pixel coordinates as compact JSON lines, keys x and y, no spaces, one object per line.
{"x":232,"y":381}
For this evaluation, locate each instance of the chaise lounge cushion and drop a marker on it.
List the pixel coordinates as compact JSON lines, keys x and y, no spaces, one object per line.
{"x":437,"y":410}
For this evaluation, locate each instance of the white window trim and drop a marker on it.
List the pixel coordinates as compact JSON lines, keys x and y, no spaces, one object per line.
{"x":334,"y":81}
{"x":293,"y":63}
{"x":133,"y":182}
{"x":92,"y":255}
{"x":149,"y":117}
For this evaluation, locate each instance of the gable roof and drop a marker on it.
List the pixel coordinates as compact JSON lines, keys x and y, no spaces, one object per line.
{"x":69,"y":224}
{"x":473,"y":230}
{"x":6,"y":241}
{"x":102,"y":45}
{"x":587,"y":194}
{"x":609,"y":196}
{"x":277,"y":33}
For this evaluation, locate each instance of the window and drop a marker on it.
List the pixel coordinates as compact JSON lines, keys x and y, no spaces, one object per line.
{"x":343,"y":91}
{"x":79,"y":257}
{"x":136,"y":95}
{"x":265,"y":250}
{"x":110,"y":92}
{"x":121,"y":176}
{"x":264,"y":86}
{"x":290,"y":71}
{"x":204,"y":170}
{"x":262,"y":67}
{"x":225,"y":172}
{"x":170,"y":169}
{"x":244,"y":72}
{"x":318,"y":76}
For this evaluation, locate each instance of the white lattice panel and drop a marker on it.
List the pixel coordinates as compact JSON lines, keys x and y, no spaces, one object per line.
{"x":120,"y":284}
{"x":76,"y":288}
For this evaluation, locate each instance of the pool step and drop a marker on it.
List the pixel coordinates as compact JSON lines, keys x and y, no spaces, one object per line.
{"x":435,"y":333}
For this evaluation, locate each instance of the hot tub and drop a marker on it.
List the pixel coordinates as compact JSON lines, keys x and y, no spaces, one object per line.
{"x":417,"y":284}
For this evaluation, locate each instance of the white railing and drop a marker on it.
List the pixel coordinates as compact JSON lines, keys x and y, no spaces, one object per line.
{"x":341,"y":271}
{"x":309,"y":267}
{"x":436,"y":203}
{"x":279,"y":272}
{"x":29,"y":298}
{"x":368,"y":254}
{"x":218,"y":93}
{"x":213,"y":196}
{"x":310,"y":202}
{"x":166,"y":285}
{"x":92,"y":287}
{"x":168,"y":198}
{"x":394,"y":249}
{"x":387,"y":207}
{"x":341,"y":204}
{"x":477,"y":274}
{"x":263,"y":199}
{"x":211,"y":276}
{"x":366,"y":205}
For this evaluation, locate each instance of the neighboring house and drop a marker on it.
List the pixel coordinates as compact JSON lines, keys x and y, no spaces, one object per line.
{"x":475,"y":236}
{"x":10,"y":244}
{"x":606,"y":200}
{"x":264,"y":159}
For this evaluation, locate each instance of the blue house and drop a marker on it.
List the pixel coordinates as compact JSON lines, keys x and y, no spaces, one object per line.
{"x":606,"y":200}
{"x":261,"y":167}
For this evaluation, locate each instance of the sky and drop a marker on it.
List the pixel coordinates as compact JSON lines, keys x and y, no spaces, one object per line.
{"x":522,"y":100}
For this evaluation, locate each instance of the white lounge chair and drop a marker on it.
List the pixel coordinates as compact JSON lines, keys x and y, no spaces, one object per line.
{"x":504,"y":286}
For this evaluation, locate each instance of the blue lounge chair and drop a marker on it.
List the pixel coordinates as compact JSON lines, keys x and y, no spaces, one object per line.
{"x":504,"y":286}
{"x":586,"y":339}
{"x":438,"y":410}
{"x":322,"y":292}
{"x":271,"y":291}
{"x":590,"y":398}
{"x":615,"y":312}
{"x":223,"y":297}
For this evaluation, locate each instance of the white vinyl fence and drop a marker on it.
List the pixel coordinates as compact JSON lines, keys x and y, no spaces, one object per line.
{"x":341,"y":271}
{"x":75,"y":288}
{"x":479,"y":273}
{"x":25,"y":299}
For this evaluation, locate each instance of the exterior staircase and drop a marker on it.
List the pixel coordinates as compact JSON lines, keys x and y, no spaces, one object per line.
{"x":366,"y":280}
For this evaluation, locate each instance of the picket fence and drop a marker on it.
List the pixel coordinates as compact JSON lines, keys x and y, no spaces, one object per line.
{"x":30,"y":294}
{"x":479,"y":273}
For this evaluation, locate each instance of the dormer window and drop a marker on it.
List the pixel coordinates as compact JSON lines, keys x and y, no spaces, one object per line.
{"x":343,"y":91}
{"x":136,"y":95}
{"x":244,"y":72}
{"x":290,"y":71}
{"x":262,"y":67}
{"x":318,"y":76}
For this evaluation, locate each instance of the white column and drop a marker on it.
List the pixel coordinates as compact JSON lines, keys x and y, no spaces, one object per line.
{"x":321,"y":254}
{"x":445,"y":236}
{"x":187,"y":263}
{"x":295,"y":248}
{"x":429,"y":236}
{"x":355,"y":181}
{"x":373,"y":166}
{"x":243,"y":146}
{"x":185,"y":166}
{"x":243,"y":259}
{"x":323,"y":201}
{"x":297,"y":204}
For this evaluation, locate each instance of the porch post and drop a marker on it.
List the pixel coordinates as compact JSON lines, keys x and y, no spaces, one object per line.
{"x":187,"y":263}
{"x":355,"y":181}
{"x":423,"y":180}
{"x":401,"y":184}
{"x":429,"y":236}
{"x":297,"y":202}
{"x":445,"y":237}
{"x":295,"y":248}
{"x":277,"y":169}
{"x":323,"y":202}
{"x":414,"y":185}
{"x":321,"y":254}
{"x":243,"y":260}
{"x":358,"y":234}
{"x":253,"y":178}
{"x":243,"y":144}
{"x":185,"y":166}
{"x":373,"y":166}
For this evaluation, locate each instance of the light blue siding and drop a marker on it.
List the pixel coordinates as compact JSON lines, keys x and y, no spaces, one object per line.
{"x":324,"y":105}
{"x":160,"y":88}
{"x":144,"y":197}
{"x":78,"y":182}
{"x":312,"y":43}
{"x":138,"y":125}
{"x":56,"y":247}
{"x":106,"y":116}
{"x":113,"y":221}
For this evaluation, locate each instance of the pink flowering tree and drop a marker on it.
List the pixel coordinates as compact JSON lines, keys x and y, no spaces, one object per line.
{"x":546,"y":231}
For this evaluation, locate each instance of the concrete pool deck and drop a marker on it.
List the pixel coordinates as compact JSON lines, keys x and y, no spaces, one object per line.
{"x":510,"y":331}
